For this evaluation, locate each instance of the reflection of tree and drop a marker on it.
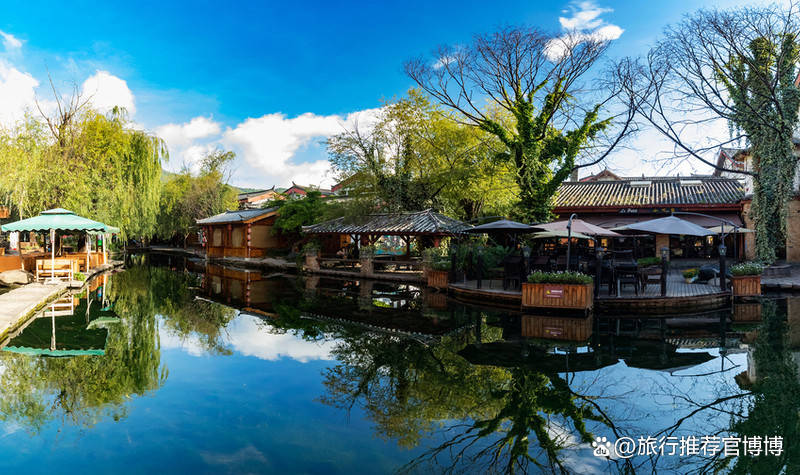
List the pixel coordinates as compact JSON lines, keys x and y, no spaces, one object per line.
{"x":173,"y":297}
{"x":768,"y":407}
{"x":773,"y":408}
{"x":410,"y":390}
{"x":84,"y":389}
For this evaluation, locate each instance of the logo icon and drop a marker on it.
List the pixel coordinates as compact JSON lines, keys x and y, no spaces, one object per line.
{"x":601,"y":447}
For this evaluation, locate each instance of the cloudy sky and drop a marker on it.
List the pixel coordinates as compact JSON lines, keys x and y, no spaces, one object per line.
{"x":270,"y":82}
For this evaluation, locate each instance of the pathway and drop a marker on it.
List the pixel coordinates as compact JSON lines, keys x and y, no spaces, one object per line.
{"x":19,"y":304}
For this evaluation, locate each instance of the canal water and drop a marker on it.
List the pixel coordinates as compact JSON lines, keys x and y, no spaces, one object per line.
{"x":175,"y":366}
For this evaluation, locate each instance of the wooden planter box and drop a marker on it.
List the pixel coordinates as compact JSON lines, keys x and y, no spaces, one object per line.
{"x":746,"y":285}
{"x":573,"y":296}
{"x":746,"y":312}
{"x":437,"y":279}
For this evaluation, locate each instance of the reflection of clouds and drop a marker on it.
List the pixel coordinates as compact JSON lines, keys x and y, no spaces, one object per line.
{"x":249,"y":338}
{"x":241,"y":457}
{"x":190,"y":343}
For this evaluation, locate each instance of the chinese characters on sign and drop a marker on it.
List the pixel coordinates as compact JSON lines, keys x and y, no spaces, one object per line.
{"x":627,"y":447}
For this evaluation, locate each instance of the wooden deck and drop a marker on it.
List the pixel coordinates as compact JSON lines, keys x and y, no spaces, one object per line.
{"x":680,"y":296}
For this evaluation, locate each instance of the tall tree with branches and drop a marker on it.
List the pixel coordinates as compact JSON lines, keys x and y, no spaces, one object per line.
{"x":737,"y":67}
{"x":538,"y":79}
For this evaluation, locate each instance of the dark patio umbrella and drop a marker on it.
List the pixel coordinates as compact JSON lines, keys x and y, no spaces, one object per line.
{"x":579,"y":226}
{"x":504,"y":226}
{"x":668,"y":225}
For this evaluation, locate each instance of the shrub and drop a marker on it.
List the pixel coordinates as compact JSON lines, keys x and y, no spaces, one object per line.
{"x":310,"y":246}
{"x":440,"y":264}
{"x":649,"y":261}
{"x":747,"y":268}
{"x":559,"y":278}
{"x":79,"y":277}
{"x":690,"y":273}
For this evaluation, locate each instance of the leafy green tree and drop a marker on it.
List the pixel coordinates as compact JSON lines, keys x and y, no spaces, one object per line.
{"x":415,"y":156}
{"x":187,"y":197}
{"x":296,"y":213}
{"x":534,"y":79}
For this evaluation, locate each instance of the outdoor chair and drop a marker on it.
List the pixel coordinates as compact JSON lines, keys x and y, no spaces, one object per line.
{"x":512,"y":272}
{"x":649,"y":276}
{"x":627,"y":274}
{"x":561,"y":262}
{"x":541,"y":263}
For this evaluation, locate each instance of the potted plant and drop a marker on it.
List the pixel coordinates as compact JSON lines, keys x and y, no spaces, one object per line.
{"x":746,"y":278}
{"x":437,"y":267}
{"x":311,"y":252}
{"x":571,"y":290}
{"x":438,"y":274}
{"x":647,"y":262}
{"x":690,"y":275}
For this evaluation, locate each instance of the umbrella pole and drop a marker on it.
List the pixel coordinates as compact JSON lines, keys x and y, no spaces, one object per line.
{"x":52,"y":279}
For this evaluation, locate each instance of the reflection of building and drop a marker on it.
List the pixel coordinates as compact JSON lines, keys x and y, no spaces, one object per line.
{"x":557,"y":328}
{"x":609,"y":201}
{"x":242,"y":288}
{"x":68,"y":326}
{"x":244,"y":233}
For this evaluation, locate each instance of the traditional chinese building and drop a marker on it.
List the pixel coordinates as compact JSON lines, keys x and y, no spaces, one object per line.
{"x":242,"y":233}
{"x":611,"y":201}
{"x":741,"y":160}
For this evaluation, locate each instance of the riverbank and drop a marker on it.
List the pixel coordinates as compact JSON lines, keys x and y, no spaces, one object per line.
{"x":253,"y":263}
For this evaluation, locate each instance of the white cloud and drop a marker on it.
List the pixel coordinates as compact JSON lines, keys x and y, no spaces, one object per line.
{"x":10,"y":42}
{"x":251,"y":338}
{"x":585,"y":16}
{"x":270,"y":142}
{"x":189,"y":142}
{"x":17,"y":94}
{"x":585,"y":24}
{"x":182,"y":135}
{"x":106,"y":91}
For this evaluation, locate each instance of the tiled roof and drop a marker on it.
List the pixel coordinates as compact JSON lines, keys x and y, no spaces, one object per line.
{"x":421,"y":222}
{"x":650,"y":191}
{"x":249,"y":194}
{"x":237,"y":216}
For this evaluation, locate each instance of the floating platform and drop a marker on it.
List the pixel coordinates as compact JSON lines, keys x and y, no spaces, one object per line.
{"x":681,"y":297}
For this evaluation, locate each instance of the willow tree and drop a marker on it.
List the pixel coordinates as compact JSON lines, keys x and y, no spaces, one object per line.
{"x":557,"y":123}
{"x":98,"y":165}
{"x":727,"y":79}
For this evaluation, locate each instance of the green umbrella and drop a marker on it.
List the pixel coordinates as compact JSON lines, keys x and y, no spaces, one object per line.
{"x":57,"y":218}
{"x":61,"y":219}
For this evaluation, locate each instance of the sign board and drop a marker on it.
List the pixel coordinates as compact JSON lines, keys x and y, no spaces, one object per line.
{"x":554,"y":291}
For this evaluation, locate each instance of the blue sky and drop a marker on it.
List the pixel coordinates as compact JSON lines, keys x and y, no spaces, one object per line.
{"x":270,"y":80}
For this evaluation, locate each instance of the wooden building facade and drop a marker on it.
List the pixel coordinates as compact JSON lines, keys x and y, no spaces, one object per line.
{"x":610,"y":201}
{"x":244,"y":233}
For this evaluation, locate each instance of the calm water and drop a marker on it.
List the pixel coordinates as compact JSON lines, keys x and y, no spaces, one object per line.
{"x":172,"y":366}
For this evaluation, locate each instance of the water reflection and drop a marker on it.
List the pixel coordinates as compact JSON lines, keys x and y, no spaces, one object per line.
{"x":104,"y":360}
{"x":450,"y":387}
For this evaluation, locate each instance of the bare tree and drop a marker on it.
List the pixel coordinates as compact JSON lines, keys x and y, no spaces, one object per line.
{"x":537,"y":82}
{"x":734,"y":67}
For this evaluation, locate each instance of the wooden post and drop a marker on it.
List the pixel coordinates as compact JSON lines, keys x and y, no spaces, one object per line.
{"x":229,"y":238}
{"x":248,"y":240}
{"x":88,"y":251}
{"x":105,"y":256}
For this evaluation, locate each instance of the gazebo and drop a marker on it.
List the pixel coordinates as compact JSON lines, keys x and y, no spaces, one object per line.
{"x":59,"y":219}
{"x":407,"y":226}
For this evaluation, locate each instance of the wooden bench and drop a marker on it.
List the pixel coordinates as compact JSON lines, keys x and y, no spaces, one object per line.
{"x":58,"y":268}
